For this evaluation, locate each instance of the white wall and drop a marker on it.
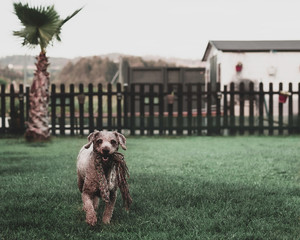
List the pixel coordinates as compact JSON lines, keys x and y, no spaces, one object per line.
{"x":257,"y":66}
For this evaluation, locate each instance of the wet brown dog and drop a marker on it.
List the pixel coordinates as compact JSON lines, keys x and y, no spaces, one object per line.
{"x":101,"y":170}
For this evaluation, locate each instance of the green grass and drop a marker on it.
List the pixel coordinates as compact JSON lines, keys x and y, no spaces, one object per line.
{"x":182,"y":188}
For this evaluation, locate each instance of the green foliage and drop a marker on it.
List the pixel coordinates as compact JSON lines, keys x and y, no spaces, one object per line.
{"x":9,"y":75}
{"x":2,"y":82}
{"x":41,"y":24}
{"x":182,"y":188}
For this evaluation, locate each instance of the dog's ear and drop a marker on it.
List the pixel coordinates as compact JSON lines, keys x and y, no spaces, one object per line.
{"x":91,"y":138}
{"x":122,"y":140}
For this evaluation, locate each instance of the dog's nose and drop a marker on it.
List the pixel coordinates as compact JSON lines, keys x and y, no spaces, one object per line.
{"x":105,"y":151}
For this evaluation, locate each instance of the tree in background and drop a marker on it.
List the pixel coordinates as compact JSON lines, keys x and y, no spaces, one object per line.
{"x":41,"y":25}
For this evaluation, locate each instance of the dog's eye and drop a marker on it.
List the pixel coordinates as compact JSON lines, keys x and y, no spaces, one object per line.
{"x":113,"y":142}
{"x":99,"y":141}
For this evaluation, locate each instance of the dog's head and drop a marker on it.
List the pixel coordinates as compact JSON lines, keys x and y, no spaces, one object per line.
{"x":106,"y":143}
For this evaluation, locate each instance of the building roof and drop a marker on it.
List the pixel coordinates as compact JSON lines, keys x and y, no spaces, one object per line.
{"x":252,"y":46}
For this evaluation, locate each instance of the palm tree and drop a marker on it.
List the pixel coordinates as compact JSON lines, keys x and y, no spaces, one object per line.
{"x":41,"y":25}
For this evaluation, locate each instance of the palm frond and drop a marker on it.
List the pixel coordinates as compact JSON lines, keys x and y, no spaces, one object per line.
{"x":29,"y":36}
{"x":69,"y":17}
{"x":36,"y":16}
{"x":40,"y":24}
{"x":62,"y":22}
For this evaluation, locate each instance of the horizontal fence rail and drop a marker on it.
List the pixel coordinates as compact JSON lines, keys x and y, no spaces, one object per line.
{"x":158,"y":109}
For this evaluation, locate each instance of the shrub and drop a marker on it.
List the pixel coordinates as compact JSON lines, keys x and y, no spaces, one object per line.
{"x":3,"y":82}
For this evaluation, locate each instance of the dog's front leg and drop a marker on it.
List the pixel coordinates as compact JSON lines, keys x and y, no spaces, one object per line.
{"x":109,"y":207}
{"x":88,"y":207}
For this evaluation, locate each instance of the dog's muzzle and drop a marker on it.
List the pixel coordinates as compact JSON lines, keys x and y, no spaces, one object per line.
{"x":105,"y":155}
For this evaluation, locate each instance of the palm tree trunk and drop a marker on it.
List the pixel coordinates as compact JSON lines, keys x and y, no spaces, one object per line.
{"x":38,"y":121}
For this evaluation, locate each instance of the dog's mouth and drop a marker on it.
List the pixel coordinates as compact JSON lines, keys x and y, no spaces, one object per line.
{"x":105,"y":157}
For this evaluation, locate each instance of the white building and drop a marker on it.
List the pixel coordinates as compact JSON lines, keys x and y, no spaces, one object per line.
{"x":261,"y":61}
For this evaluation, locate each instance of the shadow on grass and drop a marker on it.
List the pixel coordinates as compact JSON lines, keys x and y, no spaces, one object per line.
{"x":223,"y":209}
{"x":165,"y":206}
{"x":38,"y":144}
{"x":16,"y":163}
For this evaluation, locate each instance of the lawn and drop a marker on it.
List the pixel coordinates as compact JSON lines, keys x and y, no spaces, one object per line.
{"x":182,"y":188}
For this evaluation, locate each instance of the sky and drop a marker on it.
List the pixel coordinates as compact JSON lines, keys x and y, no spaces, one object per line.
{"x":167,"y":28}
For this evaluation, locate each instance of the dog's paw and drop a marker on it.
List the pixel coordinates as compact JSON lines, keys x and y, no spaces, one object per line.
{"x":106,"y":220}
{"x":126,"y":208}
{"x":91,"y":220}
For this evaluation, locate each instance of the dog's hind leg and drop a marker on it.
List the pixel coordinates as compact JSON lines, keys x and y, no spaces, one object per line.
{"x":96,"y":202}
{"x":109,"y":207}
{"x":80,"y":182}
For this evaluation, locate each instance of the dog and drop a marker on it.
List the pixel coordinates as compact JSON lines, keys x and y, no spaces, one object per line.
{"x":101,"y":170}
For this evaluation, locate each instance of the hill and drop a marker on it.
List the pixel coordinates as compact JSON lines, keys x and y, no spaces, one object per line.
{"x":96,"y":69}
{"x":100,"y":70}
{"x":19,"y":61}
{"x":12,"y":67}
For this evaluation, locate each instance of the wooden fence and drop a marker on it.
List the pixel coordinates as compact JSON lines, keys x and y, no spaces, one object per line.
{"x":150,"y":109}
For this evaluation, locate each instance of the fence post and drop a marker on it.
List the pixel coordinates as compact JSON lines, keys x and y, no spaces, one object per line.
{"x":261,"y":108}
{"x":81,"y":108}
{"x":180,"y":109}
{"x":62,"y":109}
{"x":12,"y":107}
{"x":53,"y":109}
{"x":142,"y":108}
{"x":132,"y":109}
{"x":151,"y":109}
{"x":109,"y":107}
{"x":218,"y":108}
{"x":100,"y":107}
{"x":232,"y":114}
{"x":252,"y":97}
{"x":125,"y":106}
{"x":91,"y":108}
{"x":119,"y":107}
{"x":242,"y":107}
{"x":3,"y":106}
{"x":208,"y":114}
{"x":225,"y":108}
{"x":290,"y":118}
{"x":271,"y":117}
{"x":161,"y":109}
{"x":72,"y":109}
{"x":21,"y":104}
{"x":170,"y":111}
{"x":199,"y":109}
{"x":27,"y":103}
{"x":189,"y":108}
{"x":280,"y":117}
